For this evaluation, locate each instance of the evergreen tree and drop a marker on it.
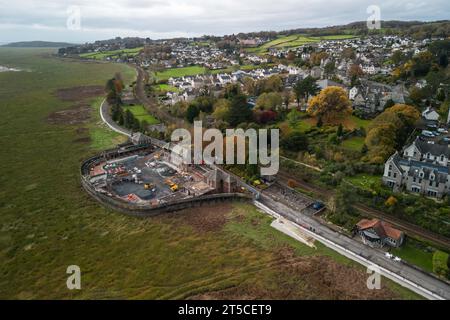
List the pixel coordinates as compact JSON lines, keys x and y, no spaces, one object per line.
{"x":239,"y":111}
{"x":340,"y":131}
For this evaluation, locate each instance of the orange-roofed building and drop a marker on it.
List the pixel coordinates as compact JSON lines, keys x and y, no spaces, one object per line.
{"x":377,"y":233}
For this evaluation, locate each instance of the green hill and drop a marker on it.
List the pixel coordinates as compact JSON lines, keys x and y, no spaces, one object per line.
{"x":37,"y":44}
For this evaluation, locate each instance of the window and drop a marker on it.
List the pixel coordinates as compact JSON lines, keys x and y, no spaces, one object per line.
{"x":390,"y":167}
{"x":428,"y":155}
{"x":442,"y":158}
{"x":389,"y":174}
{"x":395,"y":175}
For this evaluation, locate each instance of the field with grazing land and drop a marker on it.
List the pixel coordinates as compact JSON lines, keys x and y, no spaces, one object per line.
{"x":49,"y":124}
{"x":141,"y":114}
{"x":294,"y":41}
{"x":113,"y":54}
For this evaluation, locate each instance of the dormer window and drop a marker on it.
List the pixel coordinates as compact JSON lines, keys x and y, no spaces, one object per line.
{"x":442,"y":157}
{"x":428,"y":155}
{"x":421,"y":174}
{"x":432,"y":177}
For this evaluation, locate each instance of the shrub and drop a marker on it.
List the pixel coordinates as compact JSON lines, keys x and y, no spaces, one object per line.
{"x":391,"y":201}
{"x":292,"y":184}
{"x":440,"y":263}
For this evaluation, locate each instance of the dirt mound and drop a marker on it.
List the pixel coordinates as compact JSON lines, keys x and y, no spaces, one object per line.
{"x":204,"y":219}
{"x":75,"y":115}
{"x":79,"y":93}
{"x":313,"y":277}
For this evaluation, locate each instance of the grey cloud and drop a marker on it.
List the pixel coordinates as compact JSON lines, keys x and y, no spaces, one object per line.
{"x":157,"y":18}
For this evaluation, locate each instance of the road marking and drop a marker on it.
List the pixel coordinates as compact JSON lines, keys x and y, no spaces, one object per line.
{"x":108,"y":124}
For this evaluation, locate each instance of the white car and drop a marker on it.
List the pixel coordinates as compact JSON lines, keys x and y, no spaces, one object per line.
{"x":397,"y":259}
{"x":388,"y":255}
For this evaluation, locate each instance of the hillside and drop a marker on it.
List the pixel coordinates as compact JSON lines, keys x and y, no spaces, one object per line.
{"x":37,"y":44}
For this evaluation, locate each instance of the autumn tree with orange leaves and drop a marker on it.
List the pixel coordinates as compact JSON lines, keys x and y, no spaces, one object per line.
{"x":330,"y":104}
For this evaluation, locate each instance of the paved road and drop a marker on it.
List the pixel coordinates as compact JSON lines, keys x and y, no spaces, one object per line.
{"x":420,"y":282}
{"x":105,"y":115}
{"x":408,"y":227}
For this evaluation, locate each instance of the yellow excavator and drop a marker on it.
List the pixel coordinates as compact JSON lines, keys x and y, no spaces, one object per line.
{"x":149,"y":186}
{"x":173,"y":186}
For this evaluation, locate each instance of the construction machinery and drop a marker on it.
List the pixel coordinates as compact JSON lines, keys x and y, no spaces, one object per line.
{"x":173,"y":186}
{"x":149,"y":186}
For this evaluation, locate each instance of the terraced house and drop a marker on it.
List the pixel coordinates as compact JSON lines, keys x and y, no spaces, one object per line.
{"x":422,"y":168}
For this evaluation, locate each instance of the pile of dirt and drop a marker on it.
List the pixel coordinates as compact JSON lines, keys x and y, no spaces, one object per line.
{"x":204,"y":219}
{"x":76,"y":115}
{"x":312,"y":277}
{"x":80,"y":93}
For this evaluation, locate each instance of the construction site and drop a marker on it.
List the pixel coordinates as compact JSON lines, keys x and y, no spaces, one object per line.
{"x":148,"y":176}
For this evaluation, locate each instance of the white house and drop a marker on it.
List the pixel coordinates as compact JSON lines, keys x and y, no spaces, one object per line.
{"x":430,"y":114}
{"x":352,"y":93}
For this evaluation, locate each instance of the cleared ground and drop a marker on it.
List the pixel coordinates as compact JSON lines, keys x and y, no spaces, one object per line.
{"x":47,"y":222}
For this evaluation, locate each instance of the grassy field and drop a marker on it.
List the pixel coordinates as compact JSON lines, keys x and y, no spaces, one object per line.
{"x":166,"y":87}
{"x":293,"y":41}
{"x":101,"y":137}
{"x":179,"y":72}
{"x":47,"y":222}
{"x":141,"y":114}
{"x":364,"y":181}
{"x":113,"y":54}
{"x":354,"y":143}
{"x":411,"y":252}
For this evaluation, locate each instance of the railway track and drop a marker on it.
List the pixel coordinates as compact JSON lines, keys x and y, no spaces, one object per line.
{"x":408,"y":227}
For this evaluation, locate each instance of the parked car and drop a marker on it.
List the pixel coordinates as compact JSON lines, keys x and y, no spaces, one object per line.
{"x":442,"y":130}
{"x":318,"y":205}
{"x":427,"y":133}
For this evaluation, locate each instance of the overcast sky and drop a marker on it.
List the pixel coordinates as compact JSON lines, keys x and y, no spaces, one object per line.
{"x":22,"y":20}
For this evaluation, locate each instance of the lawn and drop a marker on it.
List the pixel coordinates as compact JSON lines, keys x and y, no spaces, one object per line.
{"x":47,"y":222}
{"x":412,"y":252}
{"x":179,"y":72}
{"x":166,"y":87}
{"x":364,"y":181}
{"x":354,"y":143}
{"x":141,"y":114}
{"x":356,"y":123}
